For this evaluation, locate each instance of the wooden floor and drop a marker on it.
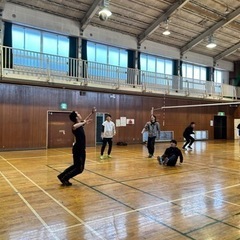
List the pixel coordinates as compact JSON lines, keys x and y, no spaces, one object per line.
{"x":127,"y":197}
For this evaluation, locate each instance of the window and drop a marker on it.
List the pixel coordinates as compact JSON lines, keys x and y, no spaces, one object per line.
{"x":101,"y":54}
{"x":194,"y":76}
{"x":218,"y":76}
{"x":106,"y":54}
{"x":18,"y":37}
{"x":194,"y":71}
{"x":160,"y":66}
{"x":106,"y":62}
{"x":152,"y":63}
{"x":41,"y":49}
{"x":32,"y":40}
{"x":168,"y":67}
{"x":154,"y":69}
{"x":123,"y":62}
{"x":91,"y":53}
{"x":189,"y":73}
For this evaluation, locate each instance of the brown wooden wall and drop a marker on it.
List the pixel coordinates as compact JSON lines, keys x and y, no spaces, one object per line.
{"x":23,"y":114}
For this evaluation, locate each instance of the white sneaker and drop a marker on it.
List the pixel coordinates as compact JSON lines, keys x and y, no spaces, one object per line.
{"x":101,"y":157}
{"x":109,"y":156}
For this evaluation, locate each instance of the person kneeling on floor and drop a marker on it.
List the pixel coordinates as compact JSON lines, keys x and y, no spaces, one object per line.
{"x":171,"y":154}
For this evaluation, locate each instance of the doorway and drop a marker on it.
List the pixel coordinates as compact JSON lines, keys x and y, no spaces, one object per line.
{"x":220,"y":127}
{"x":100,"y":118}
{"x":59,"y":133}
{"x":236,"y":130}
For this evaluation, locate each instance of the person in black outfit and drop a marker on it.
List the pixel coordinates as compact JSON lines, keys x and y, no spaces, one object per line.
{"x":171,"y":154}
{"x":187,"y":135}
{"x":238,"y":127}
{"x":78,"y":149}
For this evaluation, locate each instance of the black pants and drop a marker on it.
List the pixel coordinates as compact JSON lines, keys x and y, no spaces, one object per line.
{"x":79,"y":158}
{"x":105,"y":141}
{"x":189,"y":140}
{"x":150,"y":145}
{"x":172,"y":160}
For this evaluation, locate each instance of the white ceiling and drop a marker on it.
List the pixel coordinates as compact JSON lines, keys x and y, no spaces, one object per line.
{"x":191,"y":22}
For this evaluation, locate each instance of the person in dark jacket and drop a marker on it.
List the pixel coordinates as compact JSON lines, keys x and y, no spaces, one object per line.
{"x":187,"y":135}
{"x":238,"y":127}
{"x":78,"y":149}
{"x":171,"y":154}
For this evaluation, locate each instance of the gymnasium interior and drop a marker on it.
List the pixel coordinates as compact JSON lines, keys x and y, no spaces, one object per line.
{"x":178,"y":60}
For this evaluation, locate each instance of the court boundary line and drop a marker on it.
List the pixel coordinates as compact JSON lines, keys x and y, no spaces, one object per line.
{"x":29,"y":206}
{"x":56,"y":201}
{"x":134,"y":210}
{"x":155,"y":205}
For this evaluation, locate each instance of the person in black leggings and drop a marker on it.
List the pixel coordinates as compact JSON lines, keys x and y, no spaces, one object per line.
{"x":187,"y":135}
{"x":107,"y":134}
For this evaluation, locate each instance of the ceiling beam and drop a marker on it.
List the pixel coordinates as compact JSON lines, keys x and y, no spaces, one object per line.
{"x":227,"y":52}
{"x":229,"y":18}
{"x":90,"y":13}
{"x":155,"y":25}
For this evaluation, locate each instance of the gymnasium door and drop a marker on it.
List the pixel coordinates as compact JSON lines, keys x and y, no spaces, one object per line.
{"x":220,"y":127}
{"x":100,"y":118}
{"x":59,"y":130}
{"x":236,"y":130}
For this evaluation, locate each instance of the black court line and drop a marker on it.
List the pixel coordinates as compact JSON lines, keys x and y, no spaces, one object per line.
{"x":140,"y":211}
{"x":218,"y":221}
{"x":114,"y":199}
{"x":167,"y":201}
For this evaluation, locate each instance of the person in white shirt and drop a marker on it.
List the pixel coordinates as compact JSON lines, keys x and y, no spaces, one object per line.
{"x":108,"y":131}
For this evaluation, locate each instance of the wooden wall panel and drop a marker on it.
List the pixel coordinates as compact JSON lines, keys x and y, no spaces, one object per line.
{"x":23,"y":115}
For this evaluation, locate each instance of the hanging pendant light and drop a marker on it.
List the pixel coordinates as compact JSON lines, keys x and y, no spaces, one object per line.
{"x":166,"y":31}
{"x":211,"y":42}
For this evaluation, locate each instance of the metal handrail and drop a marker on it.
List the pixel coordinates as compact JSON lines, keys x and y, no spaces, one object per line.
{"x":35,"y":66}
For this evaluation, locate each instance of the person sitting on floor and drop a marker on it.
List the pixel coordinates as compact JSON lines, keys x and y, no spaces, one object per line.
{"x":171,"y":154}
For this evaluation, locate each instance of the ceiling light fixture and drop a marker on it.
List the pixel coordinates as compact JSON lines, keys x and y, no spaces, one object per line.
{"x":104,"y":13}
{"x":166,"y":32}
{"x":211,"y":42}
{"x":227,"y":11}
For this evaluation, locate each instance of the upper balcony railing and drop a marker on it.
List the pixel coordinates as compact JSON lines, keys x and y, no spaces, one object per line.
{"x":22,"y":65}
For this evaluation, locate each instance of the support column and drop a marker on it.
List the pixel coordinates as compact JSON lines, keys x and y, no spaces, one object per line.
{"x":177,"y":73}
{"x":234,"y":76}
{"x":210,"y":74}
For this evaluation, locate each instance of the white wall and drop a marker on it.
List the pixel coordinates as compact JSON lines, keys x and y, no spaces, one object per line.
{"x":33,"y":18}
{"x":198,"y":58}
{"x":225,"y":77}
{"x":160,"y":49}
{"x":108,"y":37}
{"x":225,"y":65}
